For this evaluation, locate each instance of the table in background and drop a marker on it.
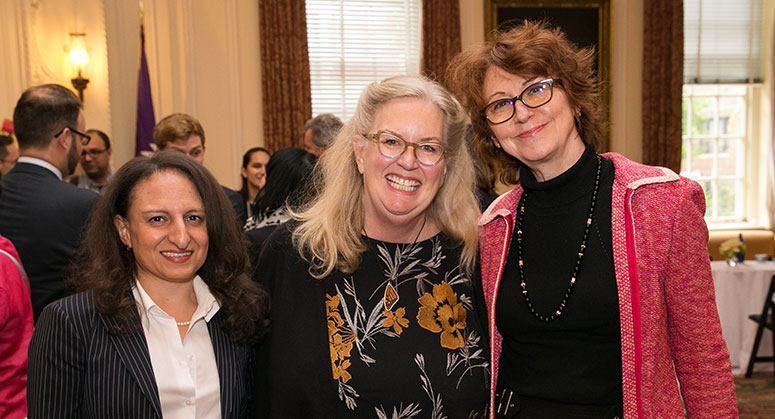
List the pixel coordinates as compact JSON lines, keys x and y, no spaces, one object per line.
{"x":740,"y":292}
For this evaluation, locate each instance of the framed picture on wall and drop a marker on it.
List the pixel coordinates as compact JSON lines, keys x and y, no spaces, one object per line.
{"x":585,"y":22}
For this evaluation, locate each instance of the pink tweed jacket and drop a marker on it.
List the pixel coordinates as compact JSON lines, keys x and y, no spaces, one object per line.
{"x":672,"y":348}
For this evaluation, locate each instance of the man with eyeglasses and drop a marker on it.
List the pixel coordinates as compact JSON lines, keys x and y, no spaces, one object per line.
{"x":41,"y":215}
{"x":95,"y":162}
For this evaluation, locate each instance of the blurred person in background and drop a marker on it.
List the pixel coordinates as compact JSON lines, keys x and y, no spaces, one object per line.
{"x":95,"y":162}
{"x":183,"y":133}
{"x":288,"y":176}
{"x":42,"y":216}
{"x":9,"y":154}
{"x":253,"y":172}
{"x":319,"y":132}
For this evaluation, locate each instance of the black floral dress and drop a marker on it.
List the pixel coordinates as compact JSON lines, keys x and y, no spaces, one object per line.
{"x":405,"y":337}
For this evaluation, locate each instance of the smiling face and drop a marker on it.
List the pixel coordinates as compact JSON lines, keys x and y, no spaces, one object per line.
{"x":397,"y":192}
{"x":545,"y":138}
{"x":255,"y":173}
{"x":165,"y":228}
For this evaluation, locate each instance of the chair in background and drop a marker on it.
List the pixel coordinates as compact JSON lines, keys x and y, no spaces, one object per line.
{"x":764,"y":320}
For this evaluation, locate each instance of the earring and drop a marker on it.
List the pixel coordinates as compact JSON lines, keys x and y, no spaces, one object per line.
{"x":495,"y":143}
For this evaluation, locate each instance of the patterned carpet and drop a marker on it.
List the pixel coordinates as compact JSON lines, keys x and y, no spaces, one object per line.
{"x":756,"y":396}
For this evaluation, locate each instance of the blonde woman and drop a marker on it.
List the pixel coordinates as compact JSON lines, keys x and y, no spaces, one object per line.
{"x":375,"y":302}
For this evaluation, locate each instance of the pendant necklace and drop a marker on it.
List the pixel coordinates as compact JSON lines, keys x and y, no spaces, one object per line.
{"x":390,"y":297}
{"x":580,"y":255}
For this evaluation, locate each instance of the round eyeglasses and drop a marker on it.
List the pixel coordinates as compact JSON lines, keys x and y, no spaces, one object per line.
{"x":535,"y":95}
{"x":391,"y":146}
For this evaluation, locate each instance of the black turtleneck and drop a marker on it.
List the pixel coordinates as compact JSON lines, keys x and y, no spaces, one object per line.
{"x":577,"y":358}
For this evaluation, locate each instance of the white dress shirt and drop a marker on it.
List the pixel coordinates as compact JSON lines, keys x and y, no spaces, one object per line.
{"x":186,"y":372}
{"x":42,"y":163}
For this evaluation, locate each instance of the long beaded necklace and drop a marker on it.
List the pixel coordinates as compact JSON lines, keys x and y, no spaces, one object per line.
{"x":520,"y":217}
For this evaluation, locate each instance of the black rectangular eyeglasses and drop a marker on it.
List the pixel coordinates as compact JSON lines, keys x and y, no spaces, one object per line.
{"x":84,"y":138}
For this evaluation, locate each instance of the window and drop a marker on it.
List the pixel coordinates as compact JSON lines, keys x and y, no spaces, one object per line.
{"x":353,"y":43}
{"x":715,"y":138}
{"x":724,"y":108}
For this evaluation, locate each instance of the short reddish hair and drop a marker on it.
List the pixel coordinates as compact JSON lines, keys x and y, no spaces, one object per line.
{"x":532,"y":49}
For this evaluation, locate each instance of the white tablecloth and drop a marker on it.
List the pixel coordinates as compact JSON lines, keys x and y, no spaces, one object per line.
{"x":740,"y":292}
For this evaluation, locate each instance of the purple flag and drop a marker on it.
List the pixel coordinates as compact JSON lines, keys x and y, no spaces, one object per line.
{"x":145,"y":118}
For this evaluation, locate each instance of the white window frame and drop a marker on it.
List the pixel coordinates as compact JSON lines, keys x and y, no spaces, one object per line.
{"x":757,"y":141}
{"x":741,"y":176}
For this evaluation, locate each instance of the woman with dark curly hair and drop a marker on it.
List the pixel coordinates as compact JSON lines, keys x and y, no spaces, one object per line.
{"x":595,"y":268}
{"x":167,"y":319}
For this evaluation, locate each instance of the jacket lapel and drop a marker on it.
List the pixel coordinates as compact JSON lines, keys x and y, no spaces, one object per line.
{"x":225,"y":357}
{"x":133,"y":351}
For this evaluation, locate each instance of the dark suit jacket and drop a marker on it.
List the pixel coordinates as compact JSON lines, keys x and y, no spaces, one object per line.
{"x":45,"y":219}
{"x":78,"y":370}
{"x":239,"y":205}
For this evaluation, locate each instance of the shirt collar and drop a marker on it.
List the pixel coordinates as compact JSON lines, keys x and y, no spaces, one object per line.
{"x":42,"y":163}
{"x":207,"y":305}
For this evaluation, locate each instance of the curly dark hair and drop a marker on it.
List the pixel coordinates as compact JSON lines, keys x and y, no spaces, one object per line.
{"x":532,"y":49}
{"x":107,"y":269}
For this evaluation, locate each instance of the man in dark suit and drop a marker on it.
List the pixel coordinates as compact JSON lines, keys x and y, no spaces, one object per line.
{"x":43,"y":216}
{"x":183,"y":133}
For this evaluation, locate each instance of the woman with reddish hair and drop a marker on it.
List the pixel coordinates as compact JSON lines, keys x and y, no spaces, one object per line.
{"x":595,"y":268}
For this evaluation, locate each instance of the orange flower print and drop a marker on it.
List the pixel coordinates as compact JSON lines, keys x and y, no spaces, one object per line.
{"x":395,"y":320}
{"x":340,"y":340}
{"x":340,"y":371}
{"x":334,"y":319}
{"x":441,"y":312}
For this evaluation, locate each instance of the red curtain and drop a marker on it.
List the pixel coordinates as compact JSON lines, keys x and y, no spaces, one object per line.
{"x":285,"y":72}
{"x":440,"y":35}
{"x":662,"y":82}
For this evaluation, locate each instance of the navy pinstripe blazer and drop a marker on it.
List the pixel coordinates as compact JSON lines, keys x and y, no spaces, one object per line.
{"x":78,"y":370}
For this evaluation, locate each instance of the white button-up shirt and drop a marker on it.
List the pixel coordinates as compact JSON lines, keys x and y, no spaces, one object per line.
{"x":186,"y":372}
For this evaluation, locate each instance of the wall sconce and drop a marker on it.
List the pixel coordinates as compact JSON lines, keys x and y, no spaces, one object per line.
{"x":79,"y":57}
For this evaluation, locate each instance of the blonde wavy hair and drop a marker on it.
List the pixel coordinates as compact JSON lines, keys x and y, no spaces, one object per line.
{"x":329,"y":234}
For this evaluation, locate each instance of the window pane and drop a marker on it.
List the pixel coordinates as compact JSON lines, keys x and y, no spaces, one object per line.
{"x":707,"y":186}
{"x":731,"y":116}
{"x":714,"y":146}
{"x":726,"y":198}
{"x":729,"y":154}
{"x":703,"y":113}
